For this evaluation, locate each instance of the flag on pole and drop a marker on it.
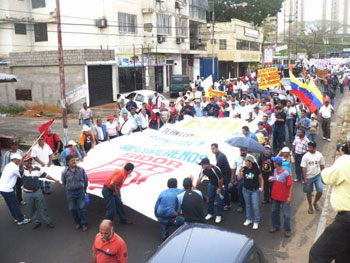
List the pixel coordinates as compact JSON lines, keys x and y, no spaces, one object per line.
{"x":345,"y":80}
{"x":44,"y":127}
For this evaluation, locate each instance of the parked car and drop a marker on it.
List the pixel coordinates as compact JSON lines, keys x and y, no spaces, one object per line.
{"x":286,"y":83}
{"x":178,"y":83}
{"x":141,"y":96}
{"x":207,"y":244}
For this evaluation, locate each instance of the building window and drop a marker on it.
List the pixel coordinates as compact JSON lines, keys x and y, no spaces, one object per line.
{"x":223,"y":44}
{"x":254,"y":46}
{"x":40,"y":32}
{"x":242,"y":44}
{"x":38,"y":3}
{"x":181,"y":27}
{"x":127,"y":23}
{"x":198,"y":9}
{"x":20,"y":29}
{"x":163,"y":24}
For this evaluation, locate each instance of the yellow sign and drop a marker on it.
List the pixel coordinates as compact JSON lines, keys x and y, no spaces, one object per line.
{"x":268,"y":78}
{"x":215,"y":93}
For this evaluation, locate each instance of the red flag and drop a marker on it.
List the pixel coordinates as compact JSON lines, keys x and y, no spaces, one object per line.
{"x":44,"y":127}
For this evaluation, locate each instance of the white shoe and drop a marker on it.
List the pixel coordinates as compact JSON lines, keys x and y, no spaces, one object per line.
{"x":208,"y":217}
{"x":324,"y":138}
{"x":247,"y":222}
{"x":255,"y":226}
{"x":329,"y":140}
{"x":25,"y":221}
{"x":218,"y":220}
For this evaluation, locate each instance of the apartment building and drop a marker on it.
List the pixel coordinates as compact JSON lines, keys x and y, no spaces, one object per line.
{"x":111,"y":46}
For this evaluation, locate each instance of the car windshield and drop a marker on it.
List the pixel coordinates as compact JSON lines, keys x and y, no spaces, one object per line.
{"x":286,"y":82}
{"x":132,"y":94}
{"x":177,"y":80}
{"x":139,"y":98}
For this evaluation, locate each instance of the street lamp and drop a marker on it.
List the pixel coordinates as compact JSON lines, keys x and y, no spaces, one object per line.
{"x":244,"y":4}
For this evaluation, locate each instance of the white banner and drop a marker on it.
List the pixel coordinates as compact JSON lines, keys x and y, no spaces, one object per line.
{"x":76,"y":94}
{"x":172,"y":152}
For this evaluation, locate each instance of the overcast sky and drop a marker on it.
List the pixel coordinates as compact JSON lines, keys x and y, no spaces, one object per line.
{"x":313,"y":10}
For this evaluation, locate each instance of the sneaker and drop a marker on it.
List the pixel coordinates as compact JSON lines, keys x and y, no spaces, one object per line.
{"x":50,"y":225}
{"x":287,"y":234}
{"x":24,"y":221}
{"x":208,"y":217}
{"x":218,"y":220}
{"x":324,"y":138}
{"x":329,"y":139}
{"x":247,"y":222}
{"x":227,"y":207}
{"x":255,"y":226}
{"x":23,"y":203}
{"x":37,"y":225}
{"x":296,"y":180}
{"x":84,"y":228}
{"x":239,"y":210}
{"x":274,"y":230}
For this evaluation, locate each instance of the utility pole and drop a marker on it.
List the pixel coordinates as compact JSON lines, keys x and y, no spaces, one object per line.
{"x":289,"y":31}
{"x":213,"y":43}
{"x":61,"y":71}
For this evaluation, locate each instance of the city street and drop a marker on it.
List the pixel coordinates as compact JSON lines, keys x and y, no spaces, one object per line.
{"x":64,"y":244}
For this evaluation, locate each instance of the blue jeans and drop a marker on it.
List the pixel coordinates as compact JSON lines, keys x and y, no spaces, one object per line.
{"x":276,"y":220}
{"x":279,"y":136}
{"x":36,"y":202}
{"x":313,"y":136}
{"x":168,"y":222}
{"x":211,"y":196}
{"x":45,"y":185}
{"x":298,"y":168}
{"x":113,"y":203}
{"x":317,"y":181}
{"x":252,"y":201}
{"x":0,"y":165}
{"x":241,"y":202}
{"x":13,"y":205}
{"x":76,"y":205}
{"x":87,"y":122}
{"x":290,"y":123}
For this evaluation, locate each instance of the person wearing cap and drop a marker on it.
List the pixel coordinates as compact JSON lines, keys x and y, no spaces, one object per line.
{"x":216,"y":190}
{"x":281,"y":196}
{"x":279,"y":132}
{"x":189,"y":204}
{"x":112,"y":195}
{"x":7,"y":183}
{"x":251,"y":174}
{"x":42,"y":155}
{"x":7,"y":159}
{"x":164,"y":209}
{"x":287,"y":159}
{"x":87,"y":140}
{"x":212,"y":108}
{"x":234,"y":110}
{"x":303,"y":123}
{"x":325,"y":115}
{"x":291,"y":114}
{"x":187,"y":110}
{"x":71,"y":149}
{"x":111,"y":127}
{"x":198,"y":109}
{"x":131,"y":103}
{"x":75,"y":180}
{"x":100,"y":132}
{"x":32,"y":192}
{"x":334,"y":242}
{"x":85,"y":116}
{"x":312,"y":164}
{"x":314,"y":130}
{"x":235,"y":169}
{"x":266,"y":166}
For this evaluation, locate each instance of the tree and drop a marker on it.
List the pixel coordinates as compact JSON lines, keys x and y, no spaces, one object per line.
{"x":256,"y":11}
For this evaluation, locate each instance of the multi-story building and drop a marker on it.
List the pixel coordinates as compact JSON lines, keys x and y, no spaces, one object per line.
{"x":111,"y":46}
{"x":237,"y":43}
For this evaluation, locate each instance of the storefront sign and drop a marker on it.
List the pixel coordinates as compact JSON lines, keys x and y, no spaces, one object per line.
{"x":268,"y":78}
{"x":139,"y":60}
{"x":248,"y":32}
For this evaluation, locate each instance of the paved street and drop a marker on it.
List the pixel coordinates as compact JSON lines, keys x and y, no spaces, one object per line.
{"x":64,"y":244}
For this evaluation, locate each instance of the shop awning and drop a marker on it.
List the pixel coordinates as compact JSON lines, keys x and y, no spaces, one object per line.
{"x":8,"y":78}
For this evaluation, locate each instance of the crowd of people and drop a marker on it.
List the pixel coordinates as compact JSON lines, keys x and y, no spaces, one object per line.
{"x":278,"y":113}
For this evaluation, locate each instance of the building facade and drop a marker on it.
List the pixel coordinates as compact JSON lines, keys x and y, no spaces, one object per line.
{"x":119,"y":46}
{"x":237,"y":43}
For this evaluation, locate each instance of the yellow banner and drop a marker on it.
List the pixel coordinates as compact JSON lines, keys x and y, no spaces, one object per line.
{"x":215,"y":93}
{"x":268,"y":78}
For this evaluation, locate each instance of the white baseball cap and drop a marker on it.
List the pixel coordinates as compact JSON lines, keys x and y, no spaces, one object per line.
{"x":71,"y":142}
{"x":285,"y":150}
{"x":86,"y":128}
{"x":16,"y":156}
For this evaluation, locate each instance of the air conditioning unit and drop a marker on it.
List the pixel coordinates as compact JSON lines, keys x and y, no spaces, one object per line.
{"x":178,"y":5}
{"x":160,"y":39}
{"x":101,"y":23}
{"x":147,"y":10}
{"x":178,"y":40}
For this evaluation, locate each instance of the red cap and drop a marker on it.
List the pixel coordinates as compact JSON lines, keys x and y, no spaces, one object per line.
{"x":110,"y":117}
{"x":27,"y":158}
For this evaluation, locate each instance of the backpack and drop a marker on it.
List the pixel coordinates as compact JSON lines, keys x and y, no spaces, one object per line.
{"x":56,"y":143}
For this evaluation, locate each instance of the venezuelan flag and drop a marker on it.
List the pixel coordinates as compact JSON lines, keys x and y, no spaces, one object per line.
{"x":345,"y":80}
{"x":311,"y":97}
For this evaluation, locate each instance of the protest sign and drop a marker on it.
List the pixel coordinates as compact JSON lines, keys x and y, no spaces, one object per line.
{"x":268,"y":78}
{"x":76,"y":94}
{"x":215,"y":93}
{"x":321,"y":73}
{"x":172,"y":152}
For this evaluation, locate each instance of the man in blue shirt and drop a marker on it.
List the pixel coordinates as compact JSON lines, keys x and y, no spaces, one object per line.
{"x":70,"y":150}
{"x":248,"y":134}
{"x":212,"y":109}
{"x":198,"y":109}
{"x":303,"y":123}
{"x":164,"y":209}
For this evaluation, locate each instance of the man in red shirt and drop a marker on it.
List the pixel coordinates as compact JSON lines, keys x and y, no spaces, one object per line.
{"x":111,"y":193}
{"x":108,"y":247}
{"x":281,"y":196}
{"x":54,"y":142}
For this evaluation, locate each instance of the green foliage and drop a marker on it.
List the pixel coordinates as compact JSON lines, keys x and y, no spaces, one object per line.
{"x":255,"y":12}
{"x":11,"y":110}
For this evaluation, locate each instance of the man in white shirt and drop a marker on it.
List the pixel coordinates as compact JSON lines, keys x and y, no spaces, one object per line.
{"x":7,"y":183}
{"x":234,"y":111}
{"x":325,"y":115}
{"x":245,"y":111}
{"x":143,"y":119}
{"x":42,"y":154}
{"x":126,"y":126}
{"x":85,"y":116}
{"x":312,"y":163}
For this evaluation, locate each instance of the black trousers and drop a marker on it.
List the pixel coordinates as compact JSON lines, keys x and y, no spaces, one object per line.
{"x":18,"y":190}
{"x":267,"y":187}
{"x":334,"y":243}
